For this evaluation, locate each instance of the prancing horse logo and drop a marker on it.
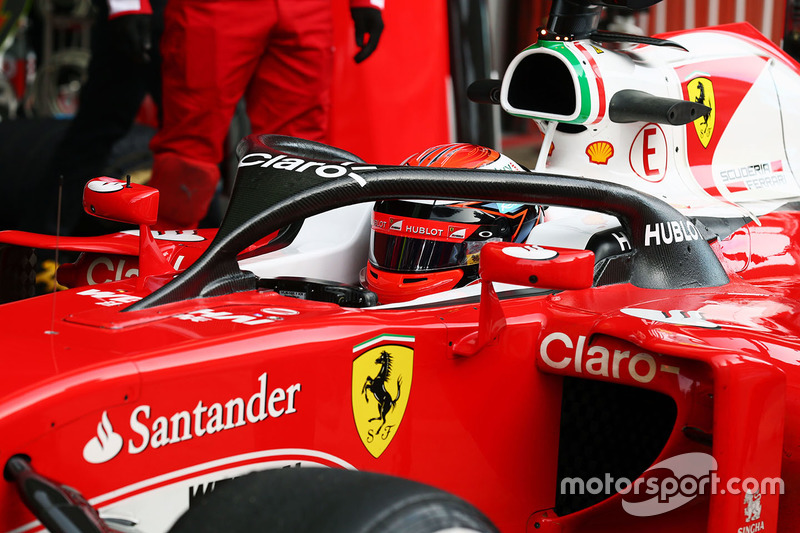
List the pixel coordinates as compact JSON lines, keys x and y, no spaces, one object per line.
{"x":380,"y":388}
{"x":377,"y":387}
{"x":701,"y":91}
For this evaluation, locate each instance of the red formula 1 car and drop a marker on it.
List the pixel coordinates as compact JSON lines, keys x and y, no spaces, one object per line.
{"x":629,"y":365}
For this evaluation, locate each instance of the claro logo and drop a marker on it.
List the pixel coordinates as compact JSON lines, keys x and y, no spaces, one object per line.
{"x":560,"y":352}
{"x":323,"y":170}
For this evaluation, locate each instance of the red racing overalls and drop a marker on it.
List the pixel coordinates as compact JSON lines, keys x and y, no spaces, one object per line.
{"x":276,"y":54}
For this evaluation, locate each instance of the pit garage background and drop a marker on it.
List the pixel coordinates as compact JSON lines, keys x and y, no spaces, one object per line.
{"x":410,"y":95}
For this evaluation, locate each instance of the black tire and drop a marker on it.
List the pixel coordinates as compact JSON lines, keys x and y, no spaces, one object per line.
{"x":300,"y":500}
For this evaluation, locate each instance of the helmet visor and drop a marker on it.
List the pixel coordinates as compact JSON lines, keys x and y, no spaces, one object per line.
{"x":424,"y":237}
{"x":409,"y":254}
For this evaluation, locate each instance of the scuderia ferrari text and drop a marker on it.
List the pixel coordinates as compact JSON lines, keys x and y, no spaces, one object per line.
{"x":157,"y":430}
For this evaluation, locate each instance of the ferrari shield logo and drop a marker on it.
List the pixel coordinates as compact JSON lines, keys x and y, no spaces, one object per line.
{"x":381,"y":385}
{"x":702,"y":91}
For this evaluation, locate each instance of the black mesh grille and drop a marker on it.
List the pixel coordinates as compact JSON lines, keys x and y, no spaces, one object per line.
{"x":608,"y":428}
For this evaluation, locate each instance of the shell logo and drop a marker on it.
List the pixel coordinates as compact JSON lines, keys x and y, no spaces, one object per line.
{"x":600,"y":152}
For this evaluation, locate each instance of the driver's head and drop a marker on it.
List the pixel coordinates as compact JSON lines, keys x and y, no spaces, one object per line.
{"x":420,"y":247}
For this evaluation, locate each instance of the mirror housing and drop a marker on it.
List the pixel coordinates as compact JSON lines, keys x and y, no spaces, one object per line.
{"x":527,"y":265}
{"x":121,"y":201}
{"x":536,"y":266}
{"x":130,"y":203}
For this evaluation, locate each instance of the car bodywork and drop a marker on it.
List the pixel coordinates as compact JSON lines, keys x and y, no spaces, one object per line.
{"x":678,"y":336}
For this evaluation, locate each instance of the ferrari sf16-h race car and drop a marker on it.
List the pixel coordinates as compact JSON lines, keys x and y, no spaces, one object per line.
{"x":630,"y":365}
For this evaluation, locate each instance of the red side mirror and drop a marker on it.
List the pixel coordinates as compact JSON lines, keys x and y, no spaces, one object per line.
{"x":132,"y":204}
{"x":527,"y":265}
{"x":535,"y":266}
{"x":121,"y":201}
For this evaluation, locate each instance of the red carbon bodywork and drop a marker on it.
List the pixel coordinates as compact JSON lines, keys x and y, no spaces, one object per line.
{"x":481,"y":427}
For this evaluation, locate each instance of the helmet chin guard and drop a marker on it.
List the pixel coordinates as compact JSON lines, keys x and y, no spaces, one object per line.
{"x":393,"y":287}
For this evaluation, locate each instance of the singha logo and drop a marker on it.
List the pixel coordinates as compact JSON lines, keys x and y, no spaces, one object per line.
{"x":752,"y":506}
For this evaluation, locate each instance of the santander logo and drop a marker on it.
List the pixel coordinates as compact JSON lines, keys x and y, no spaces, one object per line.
{"x":151,"y":428}
{"x":105,"y":446}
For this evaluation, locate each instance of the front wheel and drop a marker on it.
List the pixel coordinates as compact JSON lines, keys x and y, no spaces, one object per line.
{"x":329,"y":500}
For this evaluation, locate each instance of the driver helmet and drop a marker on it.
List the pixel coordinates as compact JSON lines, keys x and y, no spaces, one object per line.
{"x":421,"y":247}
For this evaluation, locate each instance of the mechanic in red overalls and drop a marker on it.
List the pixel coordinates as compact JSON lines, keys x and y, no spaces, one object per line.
{"x":277,"y":54}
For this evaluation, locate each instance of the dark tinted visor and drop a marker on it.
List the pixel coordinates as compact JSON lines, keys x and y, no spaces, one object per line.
{"x":407,"y":254}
